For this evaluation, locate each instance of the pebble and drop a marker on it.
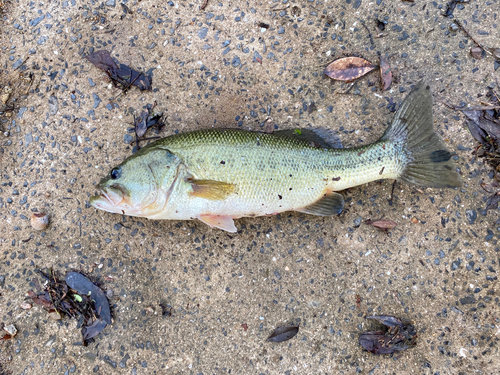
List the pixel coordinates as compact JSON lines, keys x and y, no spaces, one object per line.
{"x":53,"y":105}
{"x":18,"y":63}
{"x":202,"y":33}
{"x":97,"y":100}
{"x":471,"y":216}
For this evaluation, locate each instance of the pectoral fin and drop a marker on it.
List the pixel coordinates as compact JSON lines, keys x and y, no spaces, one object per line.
{"x":330,"y":204}
{"x":222,"y":222}
{"x":213,"y":190}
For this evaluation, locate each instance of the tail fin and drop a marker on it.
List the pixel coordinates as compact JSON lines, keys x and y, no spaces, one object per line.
{"x":428,"y":160}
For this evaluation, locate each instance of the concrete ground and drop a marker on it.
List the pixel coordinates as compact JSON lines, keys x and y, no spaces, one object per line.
{"x":218,"y":67}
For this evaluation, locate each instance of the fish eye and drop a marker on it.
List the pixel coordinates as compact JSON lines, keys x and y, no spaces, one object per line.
{"x":116,"y":173}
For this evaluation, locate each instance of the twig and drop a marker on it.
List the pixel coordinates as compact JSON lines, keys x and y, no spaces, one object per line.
{"x":204,"y":5}
{"x":470,"y":36}
{"x":368,"y":31}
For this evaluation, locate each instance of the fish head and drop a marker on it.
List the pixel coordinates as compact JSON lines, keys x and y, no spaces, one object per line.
{"x":140,"y":185}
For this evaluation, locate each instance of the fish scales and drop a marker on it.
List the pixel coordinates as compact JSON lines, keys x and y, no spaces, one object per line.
{"x":278,"y":172}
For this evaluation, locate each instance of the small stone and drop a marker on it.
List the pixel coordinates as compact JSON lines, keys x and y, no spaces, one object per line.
{"x":17,"y":64}
{"x":11,"y":330}
{"x":55,"y":315}
{"x":111,"y":3}
{"x":202,"y":33}
{"x":53,"y":105}
{"x":471,"y":216}
{"x":25,"y":306}
{"x":414,"y":220}
{"x":39,"y":221}
{"x":97,"y":100}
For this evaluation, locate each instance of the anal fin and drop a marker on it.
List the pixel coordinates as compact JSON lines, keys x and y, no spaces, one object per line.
{"x":330,"y":204}
{"x":213,"y":190}
{"x":219,"y":221}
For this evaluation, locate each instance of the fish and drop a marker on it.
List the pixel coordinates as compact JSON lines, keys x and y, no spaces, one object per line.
{"x":218,"y":175}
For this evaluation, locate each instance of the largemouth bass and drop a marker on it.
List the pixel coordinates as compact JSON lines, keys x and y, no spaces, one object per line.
{"x":218,"y":175}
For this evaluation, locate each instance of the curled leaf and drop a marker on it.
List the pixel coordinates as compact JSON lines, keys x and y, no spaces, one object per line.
{"x":383,"y":224}
{"x":281,"y":334}
{"x":385,"y":73}
{"x":398,"y":336}
{"x":348,"y":68}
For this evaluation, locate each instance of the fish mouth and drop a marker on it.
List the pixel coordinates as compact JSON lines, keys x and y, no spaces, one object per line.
{"x":109,"y":199}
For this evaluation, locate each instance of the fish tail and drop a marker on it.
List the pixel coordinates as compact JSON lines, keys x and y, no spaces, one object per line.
{"x":426,"y":161}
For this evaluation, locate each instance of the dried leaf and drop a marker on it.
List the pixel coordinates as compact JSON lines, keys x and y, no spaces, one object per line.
{"x":281,"y":334}
{"x":385,"y":73}
{"x":84,"y":286}
{"x":122,"y":74}
{"x":383,"y":224}
{"x":476,"y":52}
{"x":492,"y":202}
{"x":348,"y":68}
{"x":398,"y":337}
{"x":94,"y":329}
{"x":42,"y":299}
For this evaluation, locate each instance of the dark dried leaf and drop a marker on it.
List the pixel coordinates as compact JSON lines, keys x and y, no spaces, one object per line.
{"x":141,"y":124}
{"x":84,"y":286}
{"x":102,"y":60}
{"x":476,"y":52}
{"x":398,"y":337}
{"x":492,"y":202}
{"x":146,"y":120}
{"x":383,"y":224}
{"x":94,"y":329}
{"x":122,"y":74}
{"x":349,"y":68}
{"x":492,"y":128}
{"x":387,"y":320}
{"x":385,"y":73}
{"x":281,"y":334}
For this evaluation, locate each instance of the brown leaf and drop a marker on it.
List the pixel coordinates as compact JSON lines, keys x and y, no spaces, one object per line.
{"x":476,"y":52}
{"x":348,"y":68}
{"x":281,"y":334}
{"x":42,"y":299}
{"x":487,"y":187}
{"x":383,"y":224}
{"x":385,"y":73}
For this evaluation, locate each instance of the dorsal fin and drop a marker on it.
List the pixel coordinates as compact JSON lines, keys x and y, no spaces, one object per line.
{"x":320,"y":137}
